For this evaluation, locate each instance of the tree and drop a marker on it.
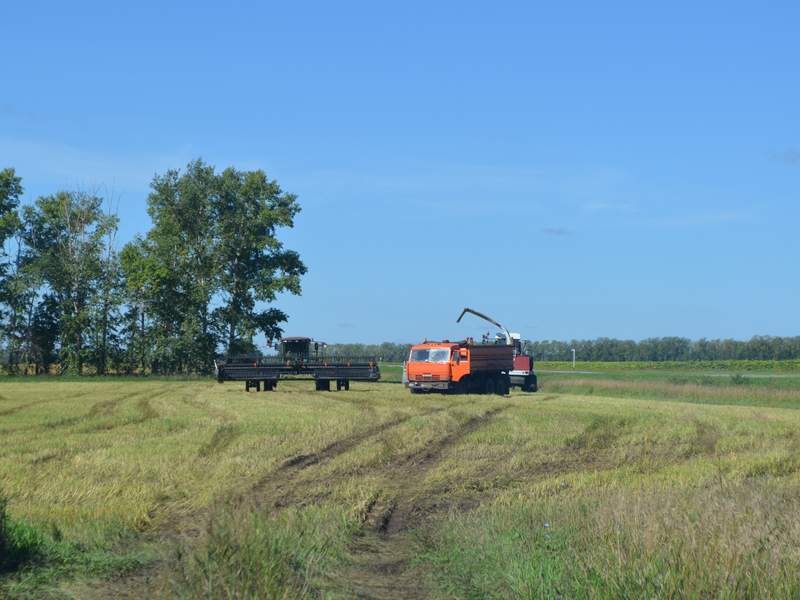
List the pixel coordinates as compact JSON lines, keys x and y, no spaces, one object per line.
{"x":209,"y":265}
{"x":15,"y":293}
{"x":182,"y":245}
{"x":253,"y":265}
{"x":141,"y":274}
{"x":64,"y":236}
{"x":10,"y":192}
{"x":106,"y":304}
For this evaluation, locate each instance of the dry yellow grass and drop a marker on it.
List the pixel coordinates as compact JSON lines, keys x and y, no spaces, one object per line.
{"x":379,"y":492}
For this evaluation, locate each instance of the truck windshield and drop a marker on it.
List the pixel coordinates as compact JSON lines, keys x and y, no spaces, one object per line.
{"x":431,"y":355}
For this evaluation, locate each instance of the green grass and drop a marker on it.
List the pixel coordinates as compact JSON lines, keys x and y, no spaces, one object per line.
{"x":703,"y":366}
{"x":623,"y":484}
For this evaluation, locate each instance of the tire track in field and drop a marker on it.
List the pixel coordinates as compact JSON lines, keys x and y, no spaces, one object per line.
{"x":16,"y":409}
{"x":146,"y":410}
{"x":106,"y":408}
{"x":334,"y":449}
{"x":382,"y":552}
{"x":223,"y":437}
{"x":100,"y":408}
{"x":219,"y":413}
{"x":188,"y":530}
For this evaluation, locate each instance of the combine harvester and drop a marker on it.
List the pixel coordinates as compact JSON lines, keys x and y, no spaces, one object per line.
{"x":297,"y":361}
{"x":469,"y":368}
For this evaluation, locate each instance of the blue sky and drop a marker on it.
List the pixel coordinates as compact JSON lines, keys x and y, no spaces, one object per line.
{"x":580,"y":170}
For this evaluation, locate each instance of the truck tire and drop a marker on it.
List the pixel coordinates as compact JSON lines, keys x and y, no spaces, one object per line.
{"x":488,"y":386}
{"x":323,"y":385}
{"x":503,"y":386}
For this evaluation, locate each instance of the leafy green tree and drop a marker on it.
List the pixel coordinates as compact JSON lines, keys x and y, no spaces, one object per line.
{"x":15,"y":290}
{"x":141,"y":274}
{"x":64,"y":235}
{"x":253,"y":266}
{"x":10,"y":192}
{"x":209,"y":265}
{"x":106,"y":303}
{"x":181,"y":243}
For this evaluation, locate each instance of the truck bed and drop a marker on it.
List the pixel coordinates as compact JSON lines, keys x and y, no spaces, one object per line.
{"x":491,"y":357}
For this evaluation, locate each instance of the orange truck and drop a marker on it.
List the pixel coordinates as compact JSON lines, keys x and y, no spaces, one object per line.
{"x":466,"y":367}
{"x":460,"y":367}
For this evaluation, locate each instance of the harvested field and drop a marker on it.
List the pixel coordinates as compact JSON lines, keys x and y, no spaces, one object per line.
{"x":193,"y":489}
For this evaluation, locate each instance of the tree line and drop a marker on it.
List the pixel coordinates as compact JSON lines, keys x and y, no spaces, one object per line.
{"x":668,"y":349}
{"x":197,"y":284}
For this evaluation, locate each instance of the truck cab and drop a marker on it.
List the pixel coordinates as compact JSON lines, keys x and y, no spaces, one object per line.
{"x":430,"y":366}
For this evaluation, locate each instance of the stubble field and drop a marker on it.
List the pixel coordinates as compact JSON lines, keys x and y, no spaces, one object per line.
{"x":598,"y":486}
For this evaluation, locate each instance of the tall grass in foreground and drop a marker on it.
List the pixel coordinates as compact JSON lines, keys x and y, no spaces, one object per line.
{"x":247,"y":554}
{"x":719,"y":541}
{"x":38,"y":557}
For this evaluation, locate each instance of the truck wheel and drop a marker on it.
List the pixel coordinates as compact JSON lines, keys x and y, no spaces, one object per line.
{"x":347,"y":385}
{"x":503,"y":386}
{"x":488,"y":386}
{"x":323,"y":385}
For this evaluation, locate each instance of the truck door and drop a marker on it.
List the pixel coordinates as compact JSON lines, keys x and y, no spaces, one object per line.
{"x":459,"y":363}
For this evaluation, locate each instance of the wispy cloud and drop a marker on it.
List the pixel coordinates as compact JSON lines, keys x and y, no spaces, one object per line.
{"x":790,"y":157}
{"x":556,"y":231}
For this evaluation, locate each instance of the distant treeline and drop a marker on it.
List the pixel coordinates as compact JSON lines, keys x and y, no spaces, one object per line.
{"x":608,"y":349}
{"x":668,"y":348}
{"x":387,"y":351}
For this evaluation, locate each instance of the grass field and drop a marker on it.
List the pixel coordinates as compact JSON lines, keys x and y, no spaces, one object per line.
{"x":681,"y":483}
